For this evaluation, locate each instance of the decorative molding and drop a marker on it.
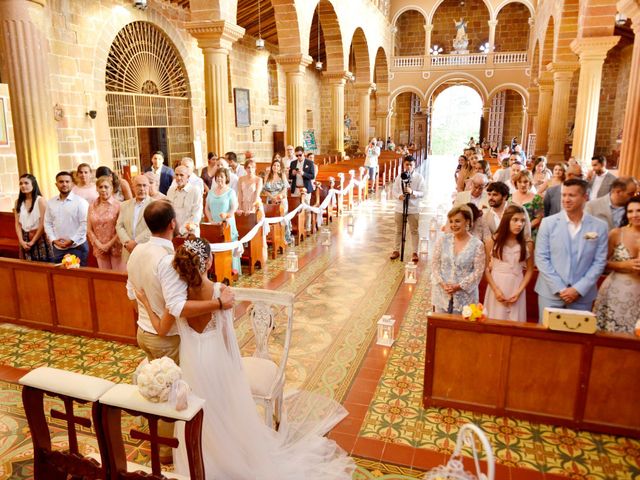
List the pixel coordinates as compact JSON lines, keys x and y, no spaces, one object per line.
{"x":295,"y":62}
{"x":426,"y":75}
{"x":391,"y":75}
{"x":488,"y":73}
{"x":527,"y":72}
{"x":593,"y":48}
{"x":218,"y":34}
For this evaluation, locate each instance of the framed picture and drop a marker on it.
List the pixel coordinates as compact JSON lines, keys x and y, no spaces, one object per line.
{"x":242,"y":107}
{"x":257,"y":135}
{"x":4,"y":127}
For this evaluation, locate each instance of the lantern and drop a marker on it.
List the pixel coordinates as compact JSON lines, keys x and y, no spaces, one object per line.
{"x":385,"y":331}
{"x":433,"y":228}
{"x":423,"y":246}
{"x":350,"y":219}
{"x":410,"y":273}
{"x":383,"y":196}
{"x":325,"y":237}
{"x":292,"y":262}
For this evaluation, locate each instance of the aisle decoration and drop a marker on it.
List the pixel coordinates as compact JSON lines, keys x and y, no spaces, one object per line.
{"x":160,"y":381}
{"x":386,"y":333}
{"x":474,"y":312}
{"x":410,"y":273}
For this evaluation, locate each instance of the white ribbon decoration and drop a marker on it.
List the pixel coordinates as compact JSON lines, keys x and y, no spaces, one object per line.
{"x":238,"y":244}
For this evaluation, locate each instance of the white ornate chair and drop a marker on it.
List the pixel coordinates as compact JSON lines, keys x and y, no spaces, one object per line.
{"x":265,"y":376}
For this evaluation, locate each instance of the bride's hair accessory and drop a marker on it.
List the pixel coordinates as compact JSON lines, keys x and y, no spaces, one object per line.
{"x":198,"y":247}
{"x":160,"y":380}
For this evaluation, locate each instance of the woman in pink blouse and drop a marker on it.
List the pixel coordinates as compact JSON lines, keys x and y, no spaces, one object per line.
{"x":101,"y":227}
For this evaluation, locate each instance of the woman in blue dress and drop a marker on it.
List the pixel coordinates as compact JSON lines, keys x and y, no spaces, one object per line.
{"x":221,"y":205}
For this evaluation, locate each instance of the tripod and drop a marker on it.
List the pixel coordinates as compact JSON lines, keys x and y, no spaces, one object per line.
{"x":405,"y":216}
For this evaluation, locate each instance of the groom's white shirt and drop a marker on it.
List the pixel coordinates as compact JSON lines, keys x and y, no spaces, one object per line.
{"x":150,"y":268}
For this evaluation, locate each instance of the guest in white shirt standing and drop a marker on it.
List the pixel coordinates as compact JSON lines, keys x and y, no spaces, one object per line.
{"x":131,"y":227}
{"x":601,"y":178}
{"x":194,"y":179}
{"x":234,"y":166}
{"x":85,"y":187}
{"x":371,"y":161}
{"x":29,"y":221}
{"x":186,"y":199}
{"x":65,"y":221}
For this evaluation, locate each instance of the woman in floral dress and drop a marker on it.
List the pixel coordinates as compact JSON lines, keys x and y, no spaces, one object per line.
{"x":101,"y":227}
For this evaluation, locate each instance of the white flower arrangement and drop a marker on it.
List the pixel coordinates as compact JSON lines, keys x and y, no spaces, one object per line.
{"x":466,"y":311}
{"x":155,"y":379}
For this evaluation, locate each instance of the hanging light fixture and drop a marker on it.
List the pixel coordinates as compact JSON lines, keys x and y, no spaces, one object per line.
{"x":620,"y":19}
{"x":318,"y":62}
{"x":259,"y":40}
{"x":435,"y":50}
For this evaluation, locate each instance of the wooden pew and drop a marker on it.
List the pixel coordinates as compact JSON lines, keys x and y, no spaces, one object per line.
{"x":9,"y":246}
{"x":275,"y":237}
{"x":222,"y":261}
{"x":84,"y":301}
{"x":520,"y":370}
{"x":298,"y":222}
{"x":253,"y":253}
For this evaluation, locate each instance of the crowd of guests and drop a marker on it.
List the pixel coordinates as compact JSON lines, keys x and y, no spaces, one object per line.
{"x":572,"y":227}
{"x":102,"y":210}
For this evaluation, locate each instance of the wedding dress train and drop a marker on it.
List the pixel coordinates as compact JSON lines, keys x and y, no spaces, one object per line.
{"x":236,"y":443}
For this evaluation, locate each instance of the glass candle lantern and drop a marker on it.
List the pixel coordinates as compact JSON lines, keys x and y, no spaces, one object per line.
{"x":325,"y":237}
{"x":385,"y":331}
{"x":350,"y":219}
{"x":433,"y":228}
{"x":410,"y":273}
{"x":423,"y":246}
{"x":292,"y":262}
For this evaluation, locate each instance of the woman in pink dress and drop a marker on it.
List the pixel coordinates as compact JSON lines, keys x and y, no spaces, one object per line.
{"x":249,"y":188}
{"x":101,"y":227}
{"x":509,"y":268}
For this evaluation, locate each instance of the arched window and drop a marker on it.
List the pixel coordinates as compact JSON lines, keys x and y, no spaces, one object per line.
{"x":272,"y":70}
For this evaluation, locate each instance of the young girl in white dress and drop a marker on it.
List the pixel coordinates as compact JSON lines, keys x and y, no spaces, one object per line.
{"x":509,"y":268}
{"x":236,"y":443}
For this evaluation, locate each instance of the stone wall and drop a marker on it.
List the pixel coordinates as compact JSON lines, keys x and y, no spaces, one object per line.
{"x":613,"y":97}
{"x":8,"y":159}
{"x":410,"y":38}
{"x":573,"y":101}
{"x":401,"y":119}
{"x":512,"y":30}
{"x":513,"y":117}
{"x":476,"y":15}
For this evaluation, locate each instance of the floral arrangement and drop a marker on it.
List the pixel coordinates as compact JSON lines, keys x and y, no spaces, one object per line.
{"x":70,"y":261}
{"x":190,"y":227}
{"x":474,"y":312}
{"x":156,"y":379}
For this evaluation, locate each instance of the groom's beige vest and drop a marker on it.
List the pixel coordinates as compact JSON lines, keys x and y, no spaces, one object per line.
{"x":142,"y":268}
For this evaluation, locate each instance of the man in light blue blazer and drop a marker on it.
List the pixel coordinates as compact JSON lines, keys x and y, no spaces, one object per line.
{"x":571,"y":252}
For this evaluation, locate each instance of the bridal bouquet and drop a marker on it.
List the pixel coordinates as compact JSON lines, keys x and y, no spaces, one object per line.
{"x":160,"y":380}
{"x":70,"y":261}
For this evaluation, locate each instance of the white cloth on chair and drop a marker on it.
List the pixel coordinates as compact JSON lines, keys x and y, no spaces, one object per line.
{"x":236,"y":444}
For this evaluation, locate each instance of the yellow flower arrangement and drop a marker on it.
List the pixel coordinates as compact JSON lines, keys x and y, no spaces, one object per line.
{"x":474,"y":312}
{"x":70,"y":261}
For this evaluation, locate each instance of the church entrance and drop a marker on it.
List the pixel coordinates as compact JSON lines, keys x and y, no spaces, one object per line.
{"x":148,"y":99}
{"x":456,"y":116}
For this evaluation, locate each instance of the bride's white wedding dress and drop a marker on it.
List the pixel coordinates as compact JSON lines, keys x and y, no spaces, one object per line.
{"x":236,"y":443}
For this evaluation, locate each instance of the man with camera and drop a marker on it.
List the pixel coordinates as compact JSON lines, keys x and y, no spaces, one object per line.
{"x":407,"y":188}
{"x":371,"y":161}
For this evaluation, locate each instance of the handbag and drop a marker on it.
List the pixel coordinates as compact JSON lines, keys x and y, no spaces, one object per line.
{"x":574,"y":321}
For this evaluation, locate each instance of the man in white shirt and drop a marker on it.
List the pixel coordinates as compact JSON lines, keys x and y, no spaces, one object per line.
{"x":476,"y":195}
{"x":412,"y":186}
{"x":186,"y":199}
{"x":65,"y":221}
{"x":289,"y":156}
{"x":194,"y":179}
{"x":601,"y":178}
{"x":131,"y":227}
{"x":371,"y":161}
{"x":234,"y":166}
{"x":150,"y":269}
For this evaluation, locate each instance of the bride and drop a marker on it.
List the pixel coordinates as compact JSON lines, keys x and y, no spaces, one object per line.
{"x":236,"y":443}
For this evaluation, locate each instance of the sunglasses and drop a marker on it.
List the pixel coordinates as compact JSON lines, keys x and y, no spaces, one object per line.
{"x":299,"y":155}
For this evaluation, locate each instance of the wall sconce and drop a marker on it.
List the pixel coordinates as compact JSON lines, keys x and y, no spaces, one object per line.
{"x":385,"y":331}
{"x":58,"y":112}
{"x":140,"y":4}
{"x":319,"y":65}
{"x":435,"y":50}
{"x":92,"y":114}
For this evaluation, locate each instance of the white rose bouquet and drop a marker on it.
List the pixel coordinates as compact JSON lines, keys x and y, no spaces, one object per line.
{"x":160,"y":380}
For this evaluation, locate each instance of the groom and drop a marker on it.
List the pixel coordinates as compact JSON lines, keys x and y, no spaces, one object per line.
{"x":150,"y":268}
{"x":571,"y":253}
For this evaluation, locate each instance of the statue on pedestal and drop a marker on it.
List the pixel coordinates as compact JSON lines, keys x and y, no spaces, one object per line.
{"x":461,"y":42}
{"x":347,"y":126}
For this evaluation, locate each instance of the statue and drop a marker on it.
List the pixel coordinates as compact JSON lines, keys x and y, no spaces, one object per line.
{"x":461,"y":42}
{"x":347,"y":125}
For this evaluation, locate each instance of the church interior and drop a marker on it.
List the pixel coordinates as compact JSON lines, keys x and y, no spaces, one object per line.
{"x":111,"y":82}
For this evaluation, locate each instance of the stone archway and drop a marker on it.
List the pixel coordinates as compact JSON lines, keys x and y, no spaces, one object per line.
{"x":456,"y":115}
{"x":410,"y":36}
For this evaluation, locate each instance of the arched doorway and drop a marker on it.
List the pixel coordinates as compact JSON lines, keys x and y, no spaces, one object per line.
{"x":456,"y":115}
{"x":148,"y":98}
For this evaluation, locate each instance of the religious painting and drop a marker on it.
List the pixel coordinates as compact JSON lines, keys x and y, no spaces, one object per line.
{"x":242,"y":107}
{"x":4,"y":124}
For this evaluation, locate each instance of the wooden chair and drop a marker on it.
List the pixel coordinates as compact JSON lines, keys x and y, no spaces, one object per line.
{"x":127,"y":398}
{"x":252,"y":254}
{"x":266,"y":377}
{"x":49,"y":464}
{"x":275,"y":237}
{"x":222,"y":262}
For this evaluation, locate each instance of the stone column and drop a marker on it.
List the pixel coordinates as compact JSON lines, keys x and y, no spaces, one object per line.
{"x":492,"y":34}
{"x":592,"y":52}
{"x":562,"y":75}
{"x":363,"y":90}
{"x":24,"y":49}
{"x":486,"y":112}
{"x":215,"y":39}
{"x":532,"y":117}
{"x":294,"y":67}
{"x":427,"y":39}
{"x":337,"y":81}
{"x":382,"y":111}
{"x":630,"y":154}
{"x":545,"y":99}
{"x":393,"y":31}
